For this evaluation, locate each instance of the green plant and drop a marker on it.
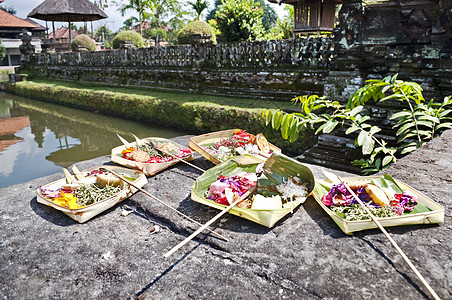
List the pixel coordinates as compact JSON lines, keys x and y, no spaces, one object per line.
{"x":419,"y":120}
{"x":240,"y":20}
{"x":186,"y":34}
{"x":152,"y":33}
{"x":128,"y":35}
{"x":83,"y":41}
{"x":2,"y":50}
{"x":198,"y":6}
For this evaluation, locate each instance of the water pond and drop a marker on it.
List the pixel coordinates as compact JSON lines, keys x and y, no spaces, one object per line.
{"x":39,"y":138}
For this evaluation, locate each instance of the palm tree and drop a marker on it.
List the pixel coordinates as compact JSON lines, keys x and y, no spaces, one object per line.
{"x":138,"y":6}
{"x":199,"y":6}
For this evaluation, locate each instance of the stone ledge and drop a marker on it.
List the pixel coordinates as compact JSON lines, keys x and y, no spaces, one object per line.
{"x":47,"y":255}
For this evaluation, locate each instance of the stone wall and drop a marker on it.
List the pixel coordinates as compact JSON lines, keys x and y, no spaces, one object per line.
{"x":410,"y":37}
{"x":279,"y":69}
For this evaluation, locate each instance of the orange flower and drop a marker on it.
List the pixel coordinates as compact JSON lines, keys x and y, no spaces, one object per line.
{"x":128,"y":150}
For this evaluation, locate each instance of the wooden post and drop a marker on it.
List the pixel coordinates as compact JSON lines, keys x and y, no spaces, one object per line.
{"x":53,"y":27}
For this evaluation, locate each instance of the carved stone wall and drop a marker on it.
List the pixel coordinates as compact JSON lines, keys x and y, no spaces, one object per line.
{"x":410,"y":37}
{"x":279,"y":69}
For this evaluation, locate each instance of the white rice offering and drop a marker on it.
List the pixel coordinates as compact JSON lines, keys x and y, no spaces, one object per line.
{"x":292,"y":189}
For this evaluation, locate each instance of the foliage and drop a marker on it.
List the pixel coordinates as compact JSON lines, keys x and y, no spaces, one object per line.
{"x":199,"y":6}
{"x":8,"y":9}
{"x":152,"y":33}
{"x":213,"y":11}
{"x":240,"y":20}
{"x":2,"y":50}
{"x":83,"y":40}
{"x":185,"y":35}
{"x":283,"y":30}
{"x":136,"y":5}
{"x":214,"y":25}
{"x":269,"y":16}
{"x":104,"y":33}
{"x":101,"y":3}
{"x":414,"y":125}
{"x":128,"y":35}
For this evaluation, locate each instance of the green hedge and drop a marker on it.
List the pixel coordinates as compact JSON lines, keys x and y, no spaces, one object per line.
{"x":193,"y":117}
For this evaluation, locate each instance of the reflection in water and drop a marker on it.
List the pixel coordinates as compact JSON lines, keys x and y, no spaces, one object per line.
{"x":38,"y":138}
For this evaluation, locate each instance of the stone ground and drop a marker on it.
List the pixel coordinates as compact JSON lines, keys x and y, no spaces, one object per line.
{"x":46,"y":255}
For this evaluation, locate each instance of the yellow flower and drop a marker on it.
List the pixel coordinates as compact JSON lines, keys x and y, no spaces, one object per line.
{"x":67,"y":200}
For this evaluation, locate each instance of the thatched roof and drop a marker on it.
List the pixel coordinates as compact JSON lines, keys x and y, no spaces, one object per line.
{"x":67,"y":11}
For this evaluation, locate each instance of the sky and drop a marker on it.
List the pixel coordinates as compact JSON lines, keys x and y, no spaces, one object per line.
{"x":114,"y":20}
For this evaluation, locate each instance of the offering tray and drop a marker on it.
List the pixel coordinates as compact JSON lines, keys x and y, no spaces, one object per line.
{"x":428,"y":211}
{"x":197,"y":143}
{"x":85,"y":213}
{"x":149,"y":169}
{"x":277,"y":168}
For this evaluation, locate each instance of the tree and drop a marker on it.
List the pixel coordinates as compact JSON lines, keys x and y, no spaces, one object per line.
{"x":104,"y":33}
{"x":101,"y":3}
{"x":9,"y":9}
{"x":269,"y":15}
{"x":240,"y":20}
{"x":199,"y":6}
{"x":211,"y":14}
{"x":136,"y":5}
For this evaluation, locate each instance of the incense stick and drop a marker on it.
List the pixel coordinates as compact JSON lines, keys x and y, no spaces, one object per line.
{"x":374,"y":219}
{"x":175,"y":248}
{"x":170,"y":207}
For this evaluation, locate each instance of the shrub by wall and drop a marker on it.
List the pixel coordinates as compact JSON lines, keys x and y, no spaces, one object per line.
{"x":128,"y":35}
{"x":83,"y":40}
{"x":202,"y":28}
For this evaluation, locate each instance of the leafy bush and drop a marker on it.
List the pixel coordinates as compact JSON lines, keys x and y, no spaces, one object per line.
{"x":240,"y":20}
{"x":128,"y":35}
{"x":152,"y":33}
{"x":83,"y":41}
{"x":414,"y":125}
{"x":186,"y":34}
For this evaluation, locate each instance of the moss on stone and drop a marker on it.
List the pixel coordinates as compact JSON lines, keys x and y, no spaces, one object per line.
{"x":190,"y":116}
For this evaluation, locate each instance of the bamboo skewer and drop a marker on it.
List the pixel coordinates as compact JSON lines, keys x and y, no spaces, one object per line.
{"x":160,"y":201}
{"x":393,"y":242}
{"x":175,"y":248}
{"x":174,"y":156}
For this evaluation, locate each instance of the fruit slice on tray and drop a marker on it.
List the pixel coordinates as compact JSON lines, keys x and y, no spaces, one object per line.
{"x":88,"y":193}
{"x":150,"y":155}
{"x":219,"y":146}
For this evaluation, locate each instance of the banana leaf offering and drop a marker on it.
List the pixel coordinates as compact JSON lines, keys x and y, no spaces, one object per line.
{"x":150,"y":155}
{"x":88,"y":193}
{"x":282,"y":185}
{"x":221,"y":145}
{"x":391,"y":201}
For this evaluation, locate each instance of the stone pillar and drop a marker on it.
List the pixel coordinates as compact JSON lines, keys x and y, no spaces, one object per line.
{"x":345,"y":74}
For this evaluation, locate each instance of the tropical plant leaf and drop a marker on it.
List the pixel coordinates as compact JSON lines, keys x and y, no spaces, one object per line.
{"x":351,"y":129}
{"x":368,"y":145}
{"x":277,"y":119}
{"x":330,"y":125}
{"x":285,"y":126}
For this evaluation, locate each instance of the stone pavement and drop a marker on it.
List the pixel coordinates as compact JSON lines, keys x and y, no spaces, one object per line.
{"x":46,"y":255}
